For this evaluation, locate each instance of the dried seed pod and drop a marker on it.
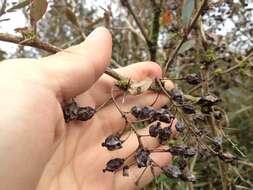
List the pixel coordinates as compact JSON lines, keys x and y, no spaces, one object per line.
{"x":112,"y":142}
{"x":193,"y":79}
{"x":188,"y":109}
{"x":228,"y":157}
{"x":217,"y":115}
{"x":126,"y":170}
{"x":165,"y":111}
{"x":177,"y":95}
{"x":182,"y":150}
{"x":199,"y":118}
{"x":189,"y":152}
{"x":177,"y":150}
{"x":208,"y":100}
{"x":70,"y":111}
{"x":142,"y":157}
{"x":182,"y":163}
{"x":85,"y":113}
{"x":114,"y":164}
{"x":165,"y":118}
{"x":154,"y":129}
{"x":164,"y":134}
{"x":172,"y":172}
{"x":147,"y":112}
{"x":216,"y":144}
{"x":136,"y":111}
{"x":180,"y":127}
{"x":189,"y":177}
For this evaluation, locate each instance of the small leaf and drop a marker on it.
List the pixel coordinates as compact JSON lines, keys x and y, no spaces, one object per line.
{"x":71,"y":17}
{"x":188,"y":7}
{"x":20,"y":5}
{"x":187,"y":45}
{"x":38,"y":9}
{"x":140,"y":87}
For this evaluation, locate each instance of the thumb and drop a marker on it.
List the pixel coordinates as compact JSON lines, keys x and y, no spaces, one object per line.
{"x":76,"y":69}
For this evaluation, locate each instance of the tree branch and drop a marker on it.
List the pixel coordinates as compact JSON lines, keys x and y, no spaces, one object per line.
{"x":126,"y":4}
{"x":155,"y":30}
{"x":185,"y":36}
{"x":33,"y":43}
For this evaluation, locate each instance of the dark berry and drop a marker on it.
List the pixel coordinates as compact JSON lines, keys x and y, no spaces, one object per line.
{"x":136,"y":111}
{"x":209,"y":100}
{"x":114,"y":165}
{"x":216,"y":144}
{"x":177,"y":95}
{"x":164,"y":134}
{"x":172,"y":172}
{"x":188,"y":109}
{"x":193,"y":79}
{"x":182,"y":150}
{"x":227,"y":157}
{"x":180,"y":127}
{"x":165,"y":118}
{"x":112,"y":142}
{"x":186,"y":176}
{"x":154,"y":129}
{"x":182,"y":163}
{"x":165,"y":111}
{"x":85,"y":113}
{"x":177,"y":150}
{"x":142,"y":157}
{"x":189,"y":152}
{"x":70,"y":111}
{"x":147,"y":112}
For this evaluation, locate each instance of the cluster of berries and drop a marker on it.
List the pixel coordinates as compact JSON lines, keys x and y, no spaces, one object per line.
{"x":205,"y":102}
{"x":72,"y":111}
{"x":141,"y":155}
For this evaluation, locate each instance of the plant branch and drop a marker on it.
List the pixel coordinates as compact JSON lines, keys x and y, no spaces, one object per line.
{"x":126,"y":4}
{"x":33,"y":42}
{"x":185,"y":36}
{"x":234,"y":67}
{"x":152,"y":44}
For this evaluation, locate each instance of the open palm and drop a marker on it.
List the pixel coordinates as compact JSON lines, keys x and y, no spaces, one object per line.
{"x":57,"y":156}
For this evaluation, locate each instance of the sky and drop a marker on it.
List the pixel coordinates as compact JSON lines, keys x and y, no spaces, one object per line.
{"x":17,"y":19}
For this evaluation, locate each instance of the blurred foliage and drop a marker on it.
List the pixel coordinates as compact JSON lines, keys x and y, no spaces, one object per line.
{"x":222,"y":37}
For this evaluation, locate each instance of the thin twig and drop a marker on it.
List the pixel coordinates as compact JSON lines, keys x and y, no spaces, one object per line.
{"x":185,"y":36}
{"x":33,"y":43}
{"x":234,"y":67}
{"x":130,"y":9}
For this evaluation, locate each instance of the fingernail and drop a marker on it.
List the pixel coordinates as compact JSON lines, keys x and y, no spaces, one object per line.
{"x":93,"y":34}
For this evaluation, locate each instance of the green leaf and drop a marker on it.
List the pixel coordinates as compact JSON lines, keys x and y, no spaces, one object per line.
{"x":20,"y":5}
{"x":187,"y":45}
{"x":188,"y":7}
{"x":38,"y":9}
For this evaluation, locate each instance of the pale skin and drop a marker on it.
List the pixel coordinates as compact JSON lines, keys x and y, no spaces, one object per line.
{"x":39,"y":150}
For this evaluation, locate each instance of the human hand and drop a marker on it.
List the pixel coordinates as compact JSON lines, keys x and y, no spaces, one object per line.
{"x":38,"y":149}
